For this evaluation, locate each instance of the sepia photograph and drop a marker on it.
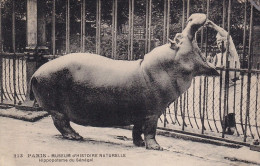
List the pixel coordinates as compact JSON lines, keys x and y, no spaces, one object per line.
{"x":130,"y":82}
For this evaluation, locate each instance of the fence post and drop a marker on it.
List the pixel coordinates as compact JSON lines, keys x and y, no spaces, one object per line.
{"x":36,"y":43}
{"x":31,"y":46}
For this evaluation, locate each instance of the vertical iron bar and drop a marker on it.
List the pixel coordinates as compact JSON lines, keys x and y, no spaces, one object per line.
{"x":164,"y":21}
{"x":1,"y":58}
{"x":149,"y":26}
{"x":131,"y":30}
{"x":243,"y":66}
{"x":164,"y":115}
{"x":207,"y":94}
{"x":83,"y":26}
{"x":53,"y":27}
{"x":200,"y":85}
{"x":183,"y":14}
{"x":249,"y":72}
{"x":14,"y":49}
{"x":68,"y":27}
{"x":241,"y":102}
{"x":203,"y":106}
{"x":200,"y":102}
{"x":213,"y":103}
{"x":169,"y":110}
{"x":187,"y":107}
{"x":188,"y":9}
{"x":205,"y":79}
{"x":224,"y":14}
{"x":18,"y":80}
{"x":176,"y":111}
{"x":244,"y":35}
{"x":227,"y":71}
{"x":168,"y":21}
{"x":193,"y":103}
{"x":183,"y":111}
{"x":114,"y":29}
{"x":9,"y":95}
{"x":146,"y":27}
{"x":256,"y":96}
{"x":98,"y":26}
{"x":23,"y":75}
{"x":234,"y":101}
{"x":9,"y":78}
{"x":115,"y":38}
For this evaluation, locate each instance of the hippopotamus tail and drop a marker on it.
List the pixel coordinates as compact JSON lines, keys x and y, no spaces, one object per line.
{"x":33,"y":81}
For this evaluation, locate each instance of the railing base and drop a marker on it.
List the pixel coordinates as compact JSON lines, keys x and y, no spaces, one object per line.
{"x":196,"y":138}
{"x":255,"y":147}
{"x":28,"y":105}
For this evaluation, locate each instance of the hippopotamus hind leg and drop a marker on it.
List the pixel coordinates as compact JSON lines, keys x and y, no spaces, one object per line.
{"x":62,"y":123}
{"x":136,"y":133}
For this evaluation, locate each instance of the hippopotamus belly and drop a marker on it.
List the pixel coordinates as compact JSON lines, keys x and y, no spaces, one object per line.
{"x":102,"y":108}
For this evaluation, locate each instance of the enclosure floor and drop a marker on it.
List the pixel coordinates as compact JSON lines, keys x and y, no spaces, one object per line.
{"x":41,"y":137}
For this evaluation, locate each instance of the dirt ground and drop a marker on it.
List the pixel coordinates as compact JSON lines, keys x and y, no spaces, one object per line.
{"x":39,"y":143}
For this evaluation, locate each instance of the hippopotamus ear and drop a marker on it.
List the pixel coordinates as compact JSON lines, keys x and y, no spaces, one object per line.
{"x":194,"y":22}
{"x":177,"y":41}
{"x":174,"y":45}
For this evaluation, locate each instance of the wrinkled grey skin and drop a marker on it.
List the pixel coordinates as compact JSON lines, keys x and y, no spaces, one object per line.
{"x":89,"y":89}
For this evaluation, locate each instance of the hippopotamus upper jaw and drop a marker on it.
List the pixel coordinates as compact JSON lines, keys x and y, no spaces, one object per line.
{"x":194,"y":22}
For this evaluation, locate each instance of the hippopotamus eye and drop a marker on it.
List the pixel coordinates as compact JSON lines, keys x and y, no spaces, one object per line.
{"x":189,"y":20}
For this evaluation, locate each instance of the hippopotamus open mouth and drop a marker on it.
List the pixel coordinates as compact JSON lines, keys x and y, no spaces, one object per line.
{"x":183,"y":40}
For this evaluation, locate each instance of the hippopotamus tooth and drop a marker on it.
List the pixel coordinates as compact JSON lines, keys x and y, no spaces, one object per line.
{"x":89,"y":89}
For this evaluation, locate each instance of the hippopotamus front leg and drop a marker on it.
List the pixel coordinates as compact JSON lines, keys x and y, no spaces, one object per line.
{"x":62,"y":123}
{"x":137,"y":132}
{"x":150,"y":125}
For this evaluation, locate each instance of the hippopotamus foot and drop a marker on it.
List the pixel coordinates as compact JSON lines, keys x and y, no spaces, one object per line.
{"x":136,"y":133}
{"x":153,"y":145}
{"x":150,"y":126}
{"x":139,"y":142}
{"x":62,"y":123}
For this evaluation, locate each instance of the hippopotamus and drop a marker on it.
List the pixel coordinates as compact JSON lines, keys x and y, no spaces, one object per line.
{"x":92,"y":90}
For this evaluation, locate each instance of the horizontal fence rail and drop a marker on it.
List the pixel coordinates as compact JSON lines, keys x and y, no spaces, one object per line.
{"x":128,"y":29}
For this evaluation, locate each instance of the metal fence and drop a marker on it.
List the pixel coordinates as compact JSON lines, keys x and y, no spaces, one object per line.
{"x":203,"y":109}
